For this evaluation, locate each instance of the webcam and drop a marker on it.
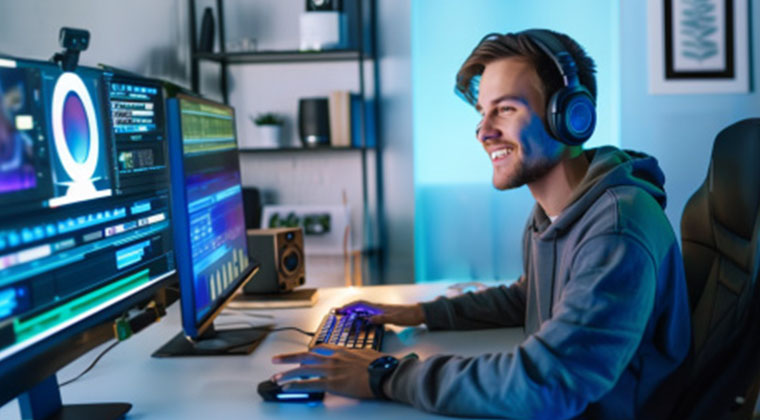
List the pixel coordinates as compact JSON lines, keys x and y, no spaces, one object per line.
{"x":73,"y":41}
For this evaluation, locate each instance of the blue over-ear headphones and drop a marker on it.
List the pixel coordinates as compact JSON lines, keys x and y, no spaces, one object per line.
{"x":571,"y":111}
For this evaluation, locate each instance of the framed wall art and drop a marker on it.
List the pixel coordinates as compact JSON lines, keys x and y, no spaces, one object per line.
{"x":698,"y":46}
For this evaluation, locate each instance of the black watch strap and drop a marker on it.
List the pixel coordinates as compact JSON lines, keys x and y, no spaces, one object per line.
{"x":380,"y":369}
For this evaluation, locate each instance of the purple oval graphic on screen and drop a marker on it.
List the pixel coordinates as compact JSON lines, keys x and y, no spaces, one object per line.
{"x":75,"y":127}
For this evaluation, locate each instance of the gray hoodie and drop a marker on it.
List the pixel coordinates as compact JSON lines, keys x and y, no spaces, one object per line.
{"x":602,"y":299}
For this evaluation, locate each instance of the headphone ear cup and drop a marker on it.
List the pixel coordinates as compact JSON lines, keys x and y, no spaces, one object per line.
{"x":571,"y":114}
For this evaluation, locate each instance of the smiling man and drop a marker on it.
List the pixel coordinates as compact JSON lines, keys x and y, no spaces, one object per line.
{"x":602,"y":297}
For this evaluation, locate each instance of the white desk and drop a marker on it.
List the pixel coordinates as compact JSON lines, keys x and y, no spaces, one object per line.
{"x":224,"y":387}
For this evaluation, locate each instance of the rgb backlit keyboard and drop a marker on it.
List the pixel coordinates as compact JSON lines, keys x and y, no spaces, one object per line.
{"x":352,"y":330}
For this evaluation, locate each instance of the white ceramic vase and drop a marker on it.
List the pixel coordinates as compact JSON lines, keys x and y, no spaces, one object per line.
{"x":269,"y":136}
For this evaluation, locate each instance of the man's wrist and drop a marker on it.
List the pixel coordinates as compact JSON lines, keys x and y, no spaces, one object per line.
{"x":419,"y":313}
{"x":385,"y":383}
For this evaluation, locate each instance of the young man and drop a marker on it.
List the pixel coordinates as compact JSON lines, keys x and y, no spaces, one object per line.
{"x":602,"y":297}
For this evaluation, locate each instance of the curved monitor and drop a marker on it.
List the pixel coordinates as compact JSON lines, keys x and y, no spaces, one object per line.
{"x":81,"y":238}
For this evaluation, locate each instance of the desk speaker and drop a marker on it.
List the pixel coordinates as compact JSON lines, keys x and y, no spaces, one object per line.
{"x":280,"y":253}
{"x":314,"y":121}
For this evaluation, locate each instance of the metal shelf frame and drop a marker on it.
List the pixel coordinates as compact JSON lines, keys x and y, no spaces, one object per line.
{"x":363,"y":54}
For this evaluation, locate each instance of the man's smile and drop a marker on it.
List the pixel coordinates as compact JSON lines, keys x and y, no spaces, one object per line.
{"x":500,"y":153}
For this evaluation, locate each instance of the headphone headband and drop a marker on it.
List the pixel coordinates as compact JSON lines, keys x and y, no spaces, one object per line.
{"x":571,"y":111}
{"x":553,"y":48}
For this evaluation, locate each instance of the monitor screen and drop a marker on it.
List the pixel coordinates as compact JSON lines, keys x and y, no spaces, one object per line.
{"x":212,"y":251}
{"x":80,"y":233}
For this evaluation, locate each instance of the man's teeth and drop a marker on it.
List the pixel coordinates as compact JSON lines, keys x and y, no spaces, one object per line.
{"x":500,"y":153}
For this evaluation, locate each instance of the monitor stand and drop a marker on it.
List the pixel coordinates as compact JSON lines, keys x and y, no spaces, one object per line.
{"x":44,"y":402}
{"x":215,"y":342}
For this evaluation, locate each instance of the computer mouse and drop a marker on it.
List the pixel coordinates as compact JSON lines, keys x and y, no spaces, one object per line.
{"x":272,"y":391}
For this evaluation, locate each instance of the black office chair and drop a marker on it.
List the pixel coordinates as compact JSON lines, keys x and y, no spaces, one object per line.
{"x":720,"y":233}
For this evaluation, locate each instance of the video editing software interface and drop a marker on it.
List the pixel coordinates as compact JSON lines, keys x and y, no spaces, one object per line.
{"x":216,"y":222}
{"x":84,"y":196}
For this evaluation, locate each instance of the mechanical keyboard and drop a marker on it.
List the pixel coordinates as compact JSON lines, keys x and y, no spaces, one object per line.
{"x":352,"y":330}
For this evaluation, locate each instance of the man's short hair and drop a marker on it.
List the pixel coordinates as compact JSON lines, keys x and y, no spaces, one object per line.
{"x":518,"y":44}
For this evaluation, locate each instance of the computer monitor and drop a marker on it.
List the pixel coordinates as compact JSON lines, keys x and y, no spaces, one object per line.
{"x":85,"y":230}
{"x":209,"y":236}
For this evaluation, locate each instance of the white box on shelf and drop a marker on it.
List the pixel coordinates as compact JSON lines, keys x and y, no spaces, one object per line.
{"x":323,"y":30}
{"x":327,"y":229}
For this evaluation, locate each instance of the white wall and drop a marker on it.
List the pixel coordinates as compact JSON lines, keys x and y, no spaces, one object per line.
{"x":144,"y":36}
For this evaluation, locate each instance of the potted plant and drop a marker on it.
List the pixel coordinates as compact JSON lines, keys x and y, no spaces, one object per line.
{"x":268,"y":127}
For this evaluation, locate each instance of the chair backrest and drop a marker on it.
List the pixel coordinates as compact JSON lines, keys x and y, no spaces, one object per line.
{"x":720,"y":231}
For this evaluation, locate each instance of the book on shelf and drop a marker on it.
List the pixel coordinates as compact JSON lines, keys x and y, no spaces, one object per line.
{"x":340,"y":118}
{"x":346,"y":123}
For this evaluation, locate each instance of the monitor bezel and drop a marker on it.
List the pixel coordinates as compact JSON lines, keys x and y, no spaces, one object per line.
{"x":193,"y":329}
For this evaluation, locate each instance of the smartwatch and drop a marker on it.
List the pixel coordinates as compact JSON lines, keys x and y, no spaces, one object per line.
{"x":380,"y":369}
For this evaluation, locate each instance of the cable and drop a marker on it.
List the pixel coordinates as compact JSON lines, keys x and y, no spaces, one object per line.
{"x":92,"y":365}
{"x":141,"y":322}
{"x":310,"y":334}
{"x":123,"y":328}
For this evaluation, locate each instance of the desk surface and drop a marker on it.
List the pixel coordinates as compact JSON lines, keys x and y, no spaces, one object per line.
{"x":225,"y":386}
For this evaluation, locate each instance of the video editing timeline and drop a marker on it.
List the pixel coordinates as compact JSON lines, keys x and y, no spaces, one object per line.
{"x":215,"y":203}
{"x":62,"y":258}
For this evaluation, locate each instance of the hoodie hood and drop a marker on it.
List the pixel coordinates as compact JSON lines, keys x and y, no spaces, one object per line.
{"x":608,"y":167}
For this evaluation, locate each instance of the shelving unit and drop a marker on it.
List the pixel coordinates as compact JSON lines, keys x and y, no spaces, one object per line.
{"x":361,"y":51}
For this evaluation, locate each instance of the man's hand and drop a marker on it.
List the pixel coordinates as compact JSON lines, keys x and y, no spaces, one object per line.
{"x":338,"y":370}
{"x":405,"y":315}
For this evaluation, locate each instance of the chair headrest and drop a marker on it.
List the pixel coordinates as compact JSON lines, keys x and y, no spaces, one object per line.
{"x":734,"y":176}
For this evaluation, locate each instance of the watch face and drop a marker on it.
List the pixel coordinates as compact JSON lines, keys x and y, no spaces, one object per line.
{"x":384,"y":363}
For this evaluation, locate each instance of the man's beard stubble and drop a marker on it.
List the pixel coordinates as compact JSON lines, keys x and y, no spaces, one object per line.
{"x":526,"y":174}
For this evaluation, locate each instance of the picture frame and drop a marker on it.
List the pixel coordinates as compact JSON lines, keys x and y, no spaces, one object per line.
{"x":327,"y":229}
{"x":698,"y":46}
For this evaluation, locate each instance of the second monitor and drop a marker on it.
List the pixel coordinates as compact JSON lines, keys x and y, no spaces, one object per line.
{"x":209,"y":232}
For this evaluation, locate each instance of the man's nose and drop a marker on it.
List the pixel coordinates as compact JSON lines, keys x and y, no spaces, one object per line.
{"x":486,"y":132}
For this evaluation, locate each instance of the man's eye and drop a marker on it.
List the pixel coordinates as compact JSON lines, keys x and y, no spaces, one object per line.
{"x":507,"y":108}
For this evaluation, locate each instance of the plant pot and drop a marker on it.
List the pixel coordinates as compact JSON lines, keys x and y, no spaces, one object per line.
{"x":269,"y":135}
